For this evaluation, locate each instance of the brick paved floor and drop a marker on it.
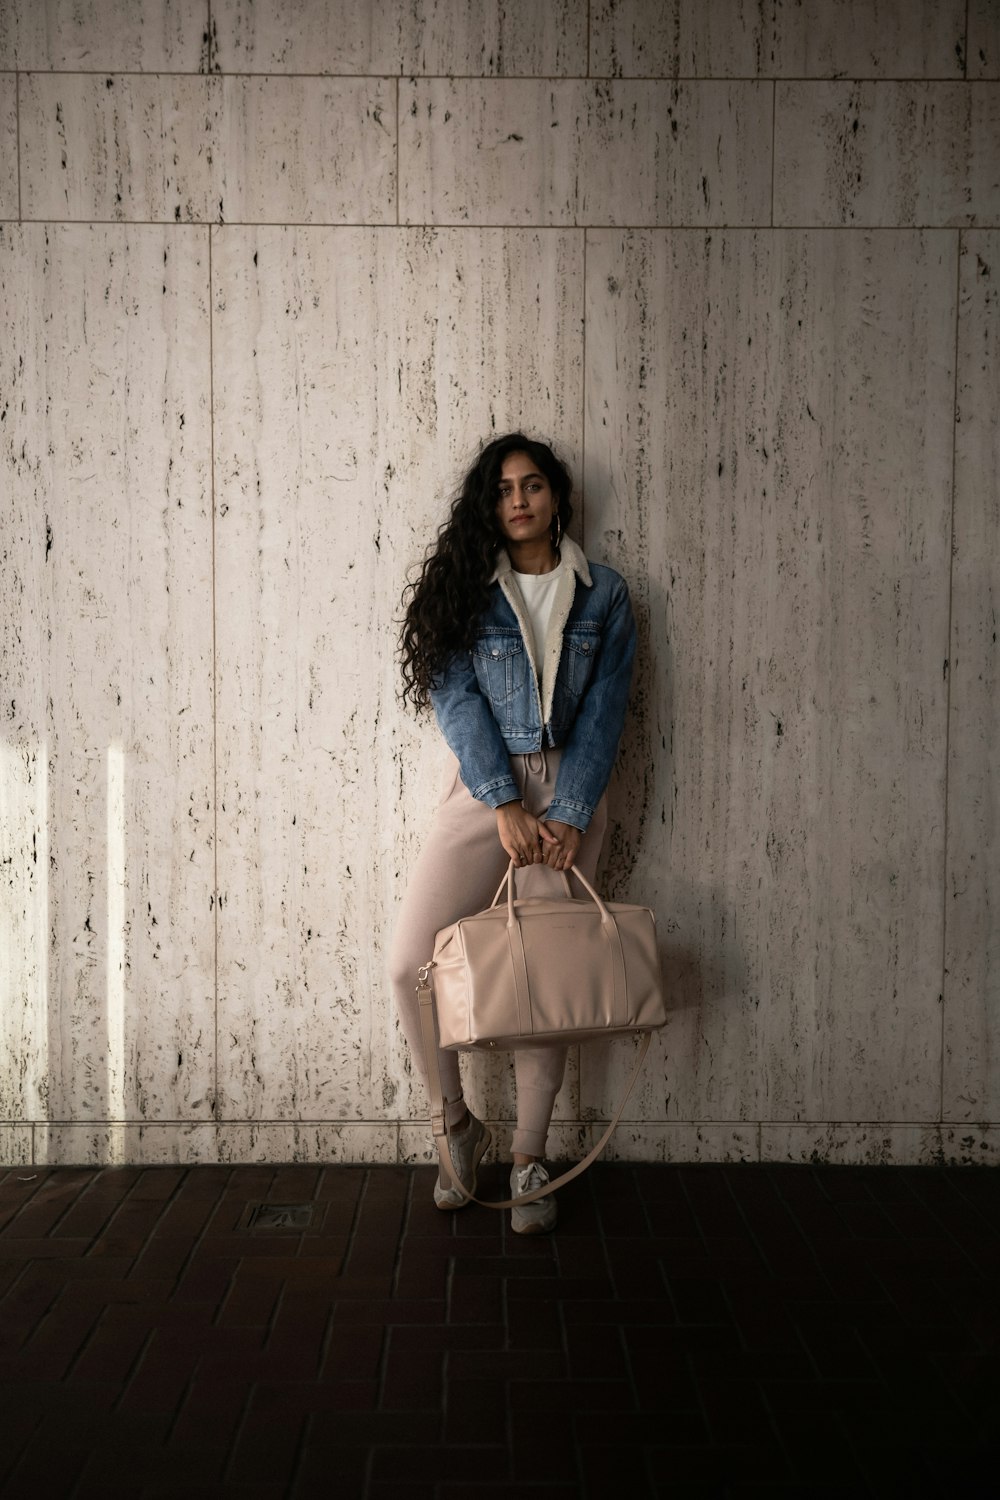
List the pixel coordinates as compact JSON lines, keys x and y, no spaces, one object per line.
{"x":689,"y":1331}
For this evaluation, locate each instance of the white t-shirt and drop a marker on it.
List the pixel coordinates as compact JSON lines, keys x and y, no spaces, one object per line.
{"x":538,"y":590}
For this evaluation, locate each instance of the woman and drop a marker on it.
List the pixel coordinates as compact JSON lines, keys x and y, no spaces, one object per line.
{"x":524,"y":650}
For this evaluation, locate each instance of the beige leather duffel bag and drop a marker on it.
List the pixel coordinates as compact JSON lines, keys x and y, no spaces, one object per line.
{"x":547,"y":970}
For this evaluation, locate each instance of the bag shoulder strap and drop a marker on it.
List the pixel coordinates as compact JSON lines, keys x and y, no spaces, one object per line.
{"x":428,"y":1031}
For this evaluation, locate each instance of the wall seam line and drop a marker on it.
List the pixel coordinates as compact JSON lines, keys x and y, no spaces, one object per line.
{"x":990,"y":226}
{"x":151,"y":1127}
{"x":397,"y":152}
{"x":950,"y":666}
{"x":547,"y":78}
{"x":17,"y":135}
{"x":951,"y":571}
{"x":774,"y":132}
{"x":215,"y":688}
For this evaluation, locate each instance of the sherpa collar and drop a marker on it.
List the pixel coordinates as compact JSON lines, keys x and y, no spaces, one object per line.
{"x":569,"y":552}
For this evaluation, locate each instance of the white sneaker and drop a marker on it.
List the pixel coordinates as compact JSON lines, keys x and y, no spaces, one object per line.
{"x":467,"y":1148}
{"x":534,"y":1218}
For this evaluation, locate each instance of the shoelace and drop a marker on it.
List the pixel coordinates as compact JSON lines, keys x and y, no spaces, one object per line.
{"x":530,"y":1177}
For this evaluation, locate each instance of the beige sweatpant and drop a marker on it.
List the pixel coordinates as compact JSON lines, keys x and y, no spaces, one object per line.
{"x":457,"y":873}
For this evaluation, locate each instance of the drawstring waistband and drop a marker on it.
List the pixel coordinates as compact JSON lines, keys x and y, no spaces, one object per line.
{"x":535,"y":764}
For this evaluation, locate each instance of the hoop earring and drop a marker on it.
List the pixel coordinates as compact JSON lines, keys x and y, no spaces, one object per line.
{"x":558,"y":527}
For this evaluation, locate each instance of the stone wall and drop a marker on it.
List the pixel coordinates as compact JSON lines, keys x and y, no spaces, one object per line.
{"x":269,"y":272}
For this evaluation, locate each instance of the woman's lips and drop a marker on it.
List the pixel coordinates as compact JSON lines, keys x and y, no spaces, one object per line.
{"x":514,"y":520}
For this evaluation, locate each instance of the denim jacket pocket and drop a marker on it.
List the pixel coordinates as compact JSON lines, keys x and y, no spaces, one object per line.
{"x":576,"y":665}
{"x":501,"y":665}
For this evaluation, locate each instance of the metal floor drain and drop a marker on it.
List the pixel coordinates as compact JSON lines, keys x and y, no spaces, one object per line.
{"x":280,"y":1215}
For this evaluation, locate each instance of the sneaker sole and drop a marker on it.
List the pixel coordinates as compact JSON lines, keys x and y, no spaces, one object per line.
{"x":449,"y":1205}
{"x":531,"y":1226}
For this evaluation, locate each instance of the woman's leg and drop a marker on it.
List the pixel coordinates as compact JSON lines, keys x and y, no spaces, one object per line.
{"x":457,"y":873}
{"x":539,"y":1070}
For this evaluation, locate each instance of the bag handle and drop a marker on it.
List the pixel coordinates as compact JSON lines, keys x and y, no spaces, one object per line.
{"x":609,"y":928}
{"x":508,"y":881}
{"x":428,"y":1031}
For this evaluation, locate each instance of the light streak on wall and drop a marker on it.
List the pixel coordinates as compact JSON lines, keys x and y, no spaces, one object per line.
{"x":115,"y":953}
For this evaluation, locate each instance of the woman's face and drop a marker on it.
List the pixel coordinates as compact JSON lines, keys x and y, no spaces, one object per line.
{"x":526,"y":506}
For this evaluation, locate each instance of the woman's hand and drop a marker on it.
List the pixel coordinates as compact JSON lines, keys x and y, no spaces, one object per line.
{"x":523,"y":836}
{"x":563,"y":852}
{"x":529,"y":841}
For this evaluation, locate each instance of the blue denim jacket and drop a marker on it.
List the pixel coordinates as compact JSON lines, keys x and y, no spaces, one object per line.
{"x":489,"y":707}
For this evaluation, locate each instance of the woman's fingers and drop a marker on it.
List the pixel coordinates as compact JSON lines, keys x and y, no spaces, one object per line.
{"x":568,"y":843}
{"x":525,"y":839}
{"x":554,"y":850}
{"x":529,"y":841}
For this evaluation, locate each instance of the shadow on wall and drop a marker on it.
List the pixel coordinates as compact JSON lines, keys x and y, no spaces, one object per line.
{"x":700,"y":950}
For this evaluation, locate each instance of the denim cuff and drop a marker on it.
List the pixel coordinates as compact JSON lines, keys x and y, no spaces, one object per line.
{"x":496,"y":793}
{"x":561,"y":811}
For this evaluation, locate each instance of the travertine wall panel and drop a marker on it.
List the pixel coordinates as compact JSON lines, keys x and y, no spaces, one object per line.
{"x":103,"y":35}
{"x":307,"y":1143}
{"x":478,"y":37}
{"x":768,"y":425}
{"x":984,"y":39}
{"x":887,"y":153}
{"x":107,"y":636}
{"x":208,"y":149}
{"x":153,"y":1145}
{"x":682,"y":1140}
{"x":308,"y":150}
{"x":15,"y":1145}
{"x":296,"y":411}
{"x":875,"y":1144}
{"x":335,"y":429}
{"x":578,"y":152}
{"x":8,"y":146}
{"x":972,"y":962}
{"x":765,"y":39}
{"x":970,"y":1145}
{"x":122,"y":147}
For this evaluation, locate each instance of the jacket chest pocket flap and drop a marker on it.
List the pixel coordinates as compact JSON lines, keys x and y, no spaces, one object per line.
{"x":501,"y":667}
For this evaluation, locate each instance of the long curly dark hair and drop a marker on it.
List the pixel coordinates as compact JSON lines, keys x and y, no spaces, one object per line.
{"x":444,"y":603}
